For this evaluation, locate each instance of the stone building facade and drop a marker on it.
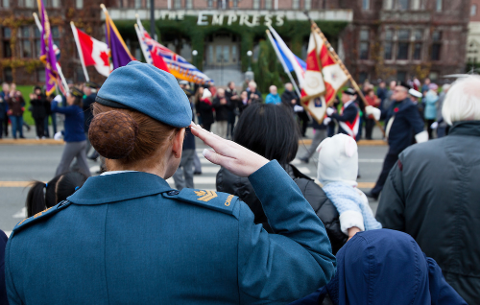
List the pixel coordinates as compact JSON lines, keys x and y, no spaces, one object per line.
{"x":388,"y":39}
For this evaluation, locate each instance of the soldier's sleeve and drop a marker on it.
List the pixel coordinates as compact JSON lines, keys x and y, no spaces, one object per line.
{"x":415,"y":120}
{"x":295,"y":261}
{"x":391,"y":208}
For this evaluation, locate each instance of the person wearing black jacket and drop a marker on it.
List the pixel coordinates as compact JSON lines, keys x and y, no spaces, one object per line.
{"x":291,"y":99}
{"x":271,"y":131}
{"x":39,"y":112}
{"x":432,"y":192}
{"x":233,"y":99}
{"x":204,"y":109}
{"x":254,"y":95}
{"x":222,"y":108}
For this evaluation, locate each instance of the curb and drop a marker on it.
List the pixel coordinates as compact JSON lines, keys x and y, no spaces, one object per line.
{"x":359,"y":143}
{"x":30,"y":142}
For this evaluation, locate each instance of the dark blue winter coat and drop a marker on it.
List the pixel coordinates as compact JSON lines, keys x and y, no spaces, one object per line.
{"x":3,"y":289}
{"x":385,"y":267}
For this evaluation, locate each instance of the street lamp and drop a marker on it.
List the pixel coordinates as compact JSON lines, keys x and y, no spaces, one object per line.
{"x":249,"y":54}
{"x":195,"y":53}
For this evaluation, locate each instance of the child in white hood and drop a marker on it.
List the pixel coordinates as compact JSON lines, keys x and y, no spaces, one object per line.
{"x":337,"y":171}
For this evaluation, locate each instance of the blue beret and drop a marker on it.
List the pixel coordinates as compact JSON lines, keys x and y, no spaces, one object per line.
{"x":149,"y":90}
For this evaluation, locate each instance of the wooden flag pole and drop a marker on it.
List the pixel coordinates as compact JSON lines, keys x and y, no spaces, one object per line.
{"x":342,"y":66}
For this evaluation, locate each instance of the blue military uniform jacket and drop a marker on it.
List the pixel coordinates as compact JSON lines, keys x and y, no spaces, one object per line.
{"x":406,"y":123}
{"x":128,"y":238}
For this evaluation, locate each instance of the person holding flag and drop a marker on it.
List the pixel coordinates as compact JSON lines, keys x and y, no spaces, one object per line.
{"x":349,"y":118}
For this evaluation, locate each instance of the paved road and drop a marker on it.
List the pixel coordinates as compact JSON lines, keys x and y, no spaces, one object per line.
{"x":22,"y":163}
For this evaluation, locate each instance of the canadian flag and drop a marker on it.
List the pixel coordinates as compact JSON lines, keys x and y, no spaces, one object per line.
{"x":93,"y":52}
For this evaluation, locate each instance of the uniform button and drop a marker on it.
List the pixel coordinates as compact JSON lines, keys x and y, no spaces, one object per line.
{"x":173,"y":193}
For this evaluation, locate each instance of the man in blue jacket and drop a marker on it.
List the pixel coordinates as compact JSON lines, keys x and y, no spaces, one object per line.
{"x":403,"y":122}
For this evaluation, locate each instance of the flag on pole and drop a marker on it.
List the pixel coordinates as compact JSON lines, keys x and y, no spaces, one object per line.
{"x":290,"y":58}
{"x":151,"y":56}
{"x":333,"y":74}
{"x":47,"y":53}
{"x":120,"y":54}
{"x":93,"y":52}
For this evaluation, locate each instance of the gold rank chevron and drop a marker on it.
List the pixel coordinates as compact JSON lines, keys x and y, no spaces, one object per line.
{"x":207,"y":195}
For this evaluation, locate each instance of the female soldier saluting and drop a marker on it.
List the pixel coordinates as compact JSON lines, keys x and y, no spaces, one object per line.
{"x":127,"y":237}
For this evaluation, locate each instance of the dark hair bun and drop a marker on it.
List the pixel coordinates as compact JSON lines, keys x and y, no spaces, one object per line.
{"x":113,"y":134}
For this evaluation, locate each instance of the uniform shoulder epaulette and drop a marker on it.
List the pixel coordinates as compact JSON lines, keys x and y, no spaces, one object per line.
{"x":217,"y":201}
{"x":41,"y":215}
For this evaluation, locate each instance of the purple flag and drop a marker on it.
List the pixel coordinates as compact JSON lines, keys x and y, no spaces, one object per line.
{"x":48,"y":56}
{"x":120,"y":55}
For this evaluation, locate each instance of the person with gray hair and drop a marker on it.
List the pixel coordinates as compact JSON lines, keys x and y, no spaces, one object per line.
{"x":432,"y":193}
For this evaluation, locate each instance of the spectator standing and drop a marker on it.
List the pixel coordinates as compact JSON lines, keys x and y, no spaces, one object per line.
{"x":432,"y":193}
{"x":442,"y":128}
{"x":50,"y":114}
{"x":382,"y":92}
{"x":254,"y":95}
{"x":430,"y":101}
{"x":37,"y":102}
{"x":205,"y":109}
{"x":3,"y":114}
{"x":291,"y":100}
{"x":90,"y":91}
{"x":374,"y":101}
{"x":197,"y":97}
{"x":243,"y":103}
{"x":273,"y":97}
{"x":16,"y":107}
{"x":4,"y":96}
{"x":289,"y":97}
{"x":388,"y":98}
{"x":74,"y":136}
{"x":271,"y":131}
{"x":221,"y":106}
{"x":183,"y":177}
{"x":233,"y":99}
{"x":425,"y":86}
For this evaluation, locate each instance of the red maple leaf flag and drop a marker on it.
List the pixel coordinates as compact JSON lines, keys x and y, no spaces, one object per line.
{"x":93,"y":52}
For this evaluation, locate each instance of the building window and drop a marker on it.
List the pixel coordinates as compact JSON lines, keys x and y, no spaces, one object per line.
{"x":6,"y":35}
{"x":41,"y":75}
{"x":79,"y":4}
{"x":362,"y":77}
{"x":210,"y":3}
{"x":417,"y":45}
{"x":235,"y":3}
{"x":387,"y":4}
{"x":473,"y":10}
{"x":388,"y":46}
{"x":5,"y":3}
{"x":24,"y":35}
{"x":415,"y":5}
{"x":56,"y":35}
{"x":55,"y":3}
{"x":295,"y":4}
{"x":401,"y":76}
{"x":403,"y":4}
{"x":364,"y":44}
{"x":138,"y":3}
{"x":38,"y":41}
{"x":189,"y":4}
{"x":308,"y":4}
{"x":403,"y":44}
{"x":268,"y":4}
{"x":256,"y":4}
{"x":439,"y":5}
{"x":436,"y":45}
{"x":177,"y":4}
{"x":7,"y":75}
{"x":365,"y":4}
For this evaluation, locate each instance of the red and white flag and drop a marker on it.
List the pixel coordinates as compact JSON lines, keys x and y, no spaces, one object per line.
{"x":333,"y":74}
{"x":313,"y":85}
{"x":93,"y":52}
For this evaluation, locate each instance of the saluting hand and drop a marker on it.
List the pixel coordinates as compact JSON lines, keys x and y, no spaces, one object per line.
{"x":235,"y":158}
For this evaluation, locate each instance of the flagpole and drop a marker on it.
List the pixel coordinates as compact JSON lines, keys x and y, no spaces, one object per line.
{"x":334,"y":54}
{"x":60,"y":72}
{"x":280,"y":58}
{"x":79,"y":48}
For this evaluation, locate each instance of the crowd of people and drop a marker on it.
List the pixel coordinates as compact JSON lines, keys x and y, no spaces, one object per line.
{"x":269,"y":233}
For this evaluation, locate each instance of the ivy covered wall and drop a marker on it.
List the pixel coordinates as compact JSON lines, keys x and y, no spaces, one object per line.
{"x":267,"y":70}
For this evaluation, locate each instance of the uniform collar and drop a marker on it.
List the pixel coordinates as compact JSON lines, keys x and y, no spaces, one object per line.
{"x":119,"y":187}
